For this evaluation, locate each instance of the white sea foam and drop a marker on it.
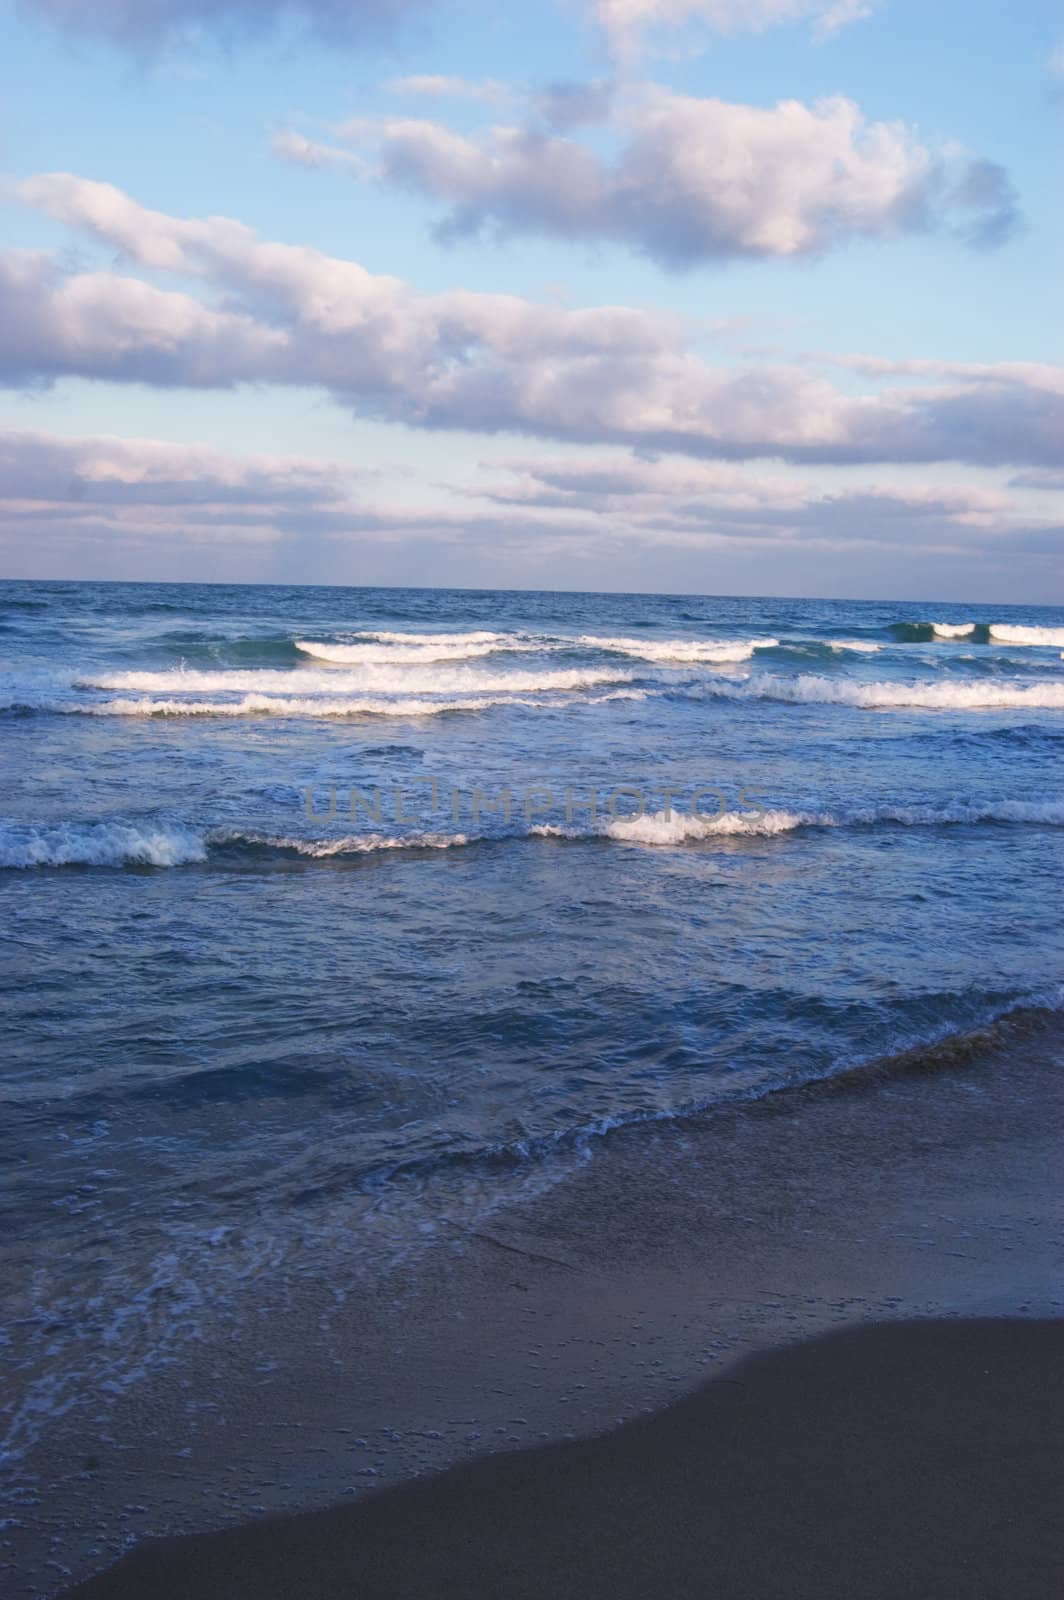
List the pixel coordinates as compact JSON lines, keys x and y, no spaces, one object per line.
{"x":684,"y":650}
{"x":296,"y":706}
{"x":864,"y":645}
{"x":319,"y":706}
{"x":99,"y":844}
{"x":679,"y":827}
{"x":374,"y":679}
{"x":390,"y":654}
{"x":1053,"y":637}
{"x":355,"y":844}
{"x":953,"y":630}
{"x":808,"y":689}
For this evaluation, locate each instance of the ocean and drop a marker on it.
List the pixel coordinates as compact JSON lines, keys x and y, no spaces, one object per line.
{"x":331,"y":916}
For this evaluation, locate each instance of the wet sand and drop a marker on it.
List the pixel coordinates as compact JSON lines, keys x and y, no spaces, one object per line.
{"x":676,"y":1253}
{"x":907,"y":1459}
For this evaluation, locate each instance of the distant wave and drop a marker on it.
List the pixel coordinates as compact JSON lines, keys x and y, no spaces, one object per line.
{"x":159,"y":844}
{"x":372,"y":678}
{"x":390,"y":654}
{"x":480,"y":637}
{"x":953,"y":630}
{"x":807,"y":689}
{"x":1054,"y":637}
{"x":866,"y":645}
{"x":688,"y":650}
{"x":319,"y":706}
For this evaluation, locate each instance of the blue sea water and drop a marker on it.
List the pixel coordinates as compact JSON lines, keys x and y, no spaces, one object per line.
{"x":245,"y":1023}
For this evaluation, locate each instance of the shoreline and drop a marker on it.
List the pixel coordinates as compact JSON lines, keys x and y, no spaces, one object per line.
{"x":678,"y":1250}
{"x":908,"y":1458}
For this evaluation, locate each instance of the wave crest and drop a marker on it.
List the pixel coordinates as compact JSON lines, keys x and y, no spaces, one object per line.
{"x":682,"y":650}
{"x":808,"y":689}
{"x":1053,"y":637}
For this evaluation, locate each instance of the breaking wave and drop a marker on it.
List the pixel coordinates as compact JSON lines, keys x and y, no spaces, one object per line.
{"x":1053,"y":637}
{"x":162,"y":844}
{"x":683,"y":650}
{"x":481,"y":636}
{"x":100,"y":844}
{"x":390,"y":654}
{"x":808,"y":689}
{"x":318,"y":706}
{"x":953,"y":630}
{"x":376,"y":679}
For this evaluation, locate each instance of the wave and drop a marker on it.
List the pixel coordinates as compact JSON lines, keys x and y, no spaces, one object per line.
{"x":807,"y":689}
{"x":953,"y":630}
{"x":684,"y":650}
{"x":679,"y":827}
{"x":377,"y":679}
{"x":100,"y":844}
{"x":480,"y":637}
{"x":864,"y":645}
{"x":294,"y":706}
{"x":387,"y":654}
{"x":354,"y":845}
{"x":161,"y":844}
{"x":1053,"y":637}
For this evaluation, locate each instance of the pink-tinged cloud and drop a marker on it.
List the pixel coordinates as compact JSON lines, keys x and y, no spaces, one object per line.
{"x":486,"y":363}
{"x":694,"y":181}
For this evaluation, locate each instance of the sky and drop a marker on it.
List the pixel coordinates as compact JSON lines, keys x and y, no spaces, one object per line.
{"x":709,"y":296}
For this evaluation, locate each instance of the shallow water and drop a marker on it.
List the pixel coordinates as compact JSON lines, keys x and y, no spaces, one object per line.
{"x":241,"y":1029}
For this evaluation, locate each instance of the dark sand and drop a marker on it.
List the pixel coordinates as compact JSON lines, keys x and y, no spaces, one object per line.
{"x":905,"y":1459}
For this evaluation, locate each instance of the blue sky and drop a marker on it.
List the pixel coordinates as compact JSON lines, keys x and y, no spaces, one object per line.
{"x":838,"y":370}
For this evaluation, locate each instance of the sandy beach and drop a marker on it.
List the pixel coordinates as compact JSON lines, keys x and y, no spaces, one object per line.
{"x":886,"y":1457}
{"x":906,"y":1459}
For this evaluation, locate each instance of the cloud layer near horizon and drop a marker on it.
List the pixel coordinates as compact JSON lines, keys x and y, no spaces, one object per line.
{"x":486,"y":363}
{"x":694,"y":180}
{"x":108,"y":501}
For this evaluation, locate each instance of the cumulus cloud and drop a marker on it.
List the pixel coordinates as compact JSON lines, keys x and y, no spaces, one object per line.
{"x":694,"y":180}
{"x":488,"y":363}
{"x":628,"y":22}
{"x":145,"y":25}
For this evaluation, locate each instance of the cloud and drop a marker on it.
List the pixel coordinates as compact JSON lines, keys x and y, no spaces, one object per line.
{"x":666,"y":502}
{"x":694,"y":181}
{"x":486,"y":363}
{"x":1056,"y":64}
{"x":146,"y":25}
{"x":628,"y":22}
{"x":437,"y":86}
{"x":300,"y":151}
{"x":123,"y":494}
{"x":126,"y":506}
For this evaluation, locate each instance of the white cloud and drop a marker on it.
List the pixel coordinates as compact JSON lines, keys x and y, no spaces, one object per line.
{"x":486,"y":363}
{"x":627,"y":22}
{"x":437,"y":86}
{"x":694,"y":180}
